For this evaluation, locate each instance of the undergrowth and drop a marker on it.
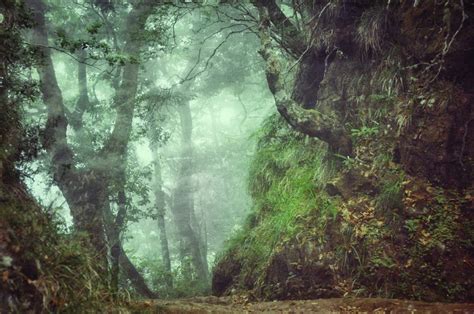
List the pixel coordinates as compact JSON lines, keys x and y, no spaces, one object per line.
{"x":400,"y":229}
{"x":42,"y":269}
{"x":287,"y":177}
{"x":388,"y":226}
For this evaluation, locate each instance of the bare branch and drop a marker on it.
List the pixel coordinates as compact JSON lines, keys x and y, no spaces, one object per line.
{"x":190,"y":77}
{"x":290,"y":36}
{"x":65,"y":52}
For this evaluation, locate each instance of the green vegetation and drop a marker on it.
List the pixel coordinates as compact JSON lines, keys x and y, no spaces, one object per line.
{"x":54,"y":270}
{"x":286,"y":181}
{"x":127,"y":156}
{"x":365,"y":132}
{"x":390,"y":197}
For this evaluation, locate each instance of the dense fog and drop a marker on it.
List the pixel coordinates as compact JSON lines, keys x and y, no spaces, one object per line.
{"x":210,"y":67}
{"x":217,"y":154}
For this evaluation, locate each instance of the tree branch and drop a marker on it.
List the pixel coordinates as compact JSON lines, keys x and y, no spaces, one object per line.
{"x":288,"y":32}
{"x":54,"y":140}
{"x":190,"y":77}
{"x":307,"y":121}
{"x":115,"y":147}
{"x":46,"y":46}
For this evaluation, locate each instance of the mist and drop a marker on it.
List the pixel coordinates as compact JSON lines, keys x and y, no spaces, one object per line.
{"x":216,"y":73}
{"x":191,"y":156}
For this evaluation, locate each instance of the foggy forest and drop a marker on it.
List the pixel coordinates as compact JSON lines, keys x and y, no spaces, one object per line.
{"x":226,"y":156}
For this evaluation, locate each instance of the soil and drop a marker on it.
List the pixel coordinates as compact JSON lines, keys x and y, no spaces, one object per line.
{"x":236,"y":304}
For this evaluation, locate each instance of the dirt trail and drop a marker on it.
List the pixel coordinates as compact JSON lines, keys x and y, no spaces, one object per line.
{"x":241,"y":305}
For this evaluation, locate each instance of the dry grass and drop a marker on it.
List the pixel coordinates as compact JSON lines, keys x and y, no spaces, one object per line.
{"x":371,"y":29}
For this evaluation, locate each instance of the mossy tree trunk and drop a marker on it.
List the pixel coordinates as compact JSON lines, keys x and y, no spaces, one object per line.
{"x":86,"y":190}
{"x":83,"y":190}
{"x":299,"y":106}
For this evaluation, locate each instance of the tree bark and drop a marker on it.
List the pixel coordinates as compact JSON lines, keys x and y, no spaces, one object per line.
{"x":307,"y":121}
{"x":291,"y":39}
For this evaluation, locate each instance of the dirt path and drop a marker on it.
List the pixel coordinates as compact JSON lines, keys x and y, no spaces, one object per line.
{"x":240,"y":305}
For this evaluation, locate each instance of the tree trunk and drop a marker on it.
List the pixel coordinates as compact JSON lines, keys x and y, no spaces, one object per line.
{"x":116,"y":227}
{"x":136,"y":279}
{"x":83,"y":102}
{"x":83,"y":190}
{"x":114,"y":153}
{"x":120,"y":258}
{"x":183,"y":204}
{"x":86,"y":190}
{"x":297,"y":108}
{"x":115,"y":148}
{"x":160,"y":210}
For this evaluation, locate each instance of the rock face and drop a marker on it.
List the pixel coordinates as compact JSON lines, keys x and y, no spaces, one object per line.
{"x":395,"y":219}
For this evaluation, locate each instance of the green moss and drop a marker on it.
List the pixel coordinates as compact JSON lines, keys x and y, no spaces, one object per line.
{"x":287,"y":175}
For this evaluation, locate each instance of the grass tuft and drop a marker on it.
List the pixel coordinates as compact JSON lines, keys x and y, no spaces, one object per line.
{"x":287,"y":175}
